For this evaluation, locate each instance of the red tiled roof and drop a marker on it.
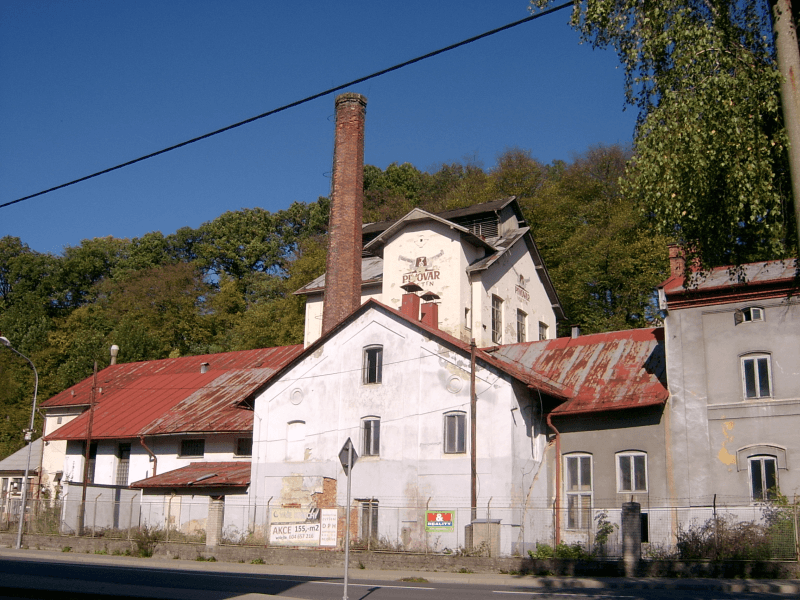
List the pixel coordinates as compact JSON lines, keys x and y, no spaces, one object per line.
{"x":604,"y":371}
{"x":172,"y":395}
{"x":201,"y":475}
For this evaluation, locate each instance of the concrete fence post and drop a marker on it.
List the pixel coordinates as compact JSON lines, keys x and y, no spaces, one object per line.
{"x":631,"y":537}
{"x":216,"y":515}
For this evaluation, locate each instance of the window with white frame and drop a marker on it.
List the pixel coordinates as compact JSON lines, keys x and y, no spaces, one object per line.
{"x":455,"y":433}
{"x":756,"y":376}
{"x":578,"y":483}
{"x":631,"y":472}
{"x":497,"y":319}
{"x":371,"y":436}
{"x":749,"y":315}
{"x":763,"y":478}
{"x":373,"y":364}
{"x":522,"y":326}
{"x":542,"y":331}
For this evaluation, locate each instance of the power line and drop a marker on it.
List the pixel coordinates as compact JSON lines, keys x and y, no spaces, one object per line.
{"x":293,"y":104}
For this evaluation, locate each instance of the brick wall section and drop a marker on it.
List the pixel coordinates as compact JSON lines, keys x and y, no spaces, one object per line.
{"x":343,"y":274}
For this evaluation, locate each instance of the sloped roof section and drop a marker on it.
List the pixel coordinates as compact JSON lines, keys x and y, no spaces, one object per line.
{"x":201,"y":475}
{"x":766,"y":279}
{"x":604,"y":371}
{"x":18,"y":460}
{"x":172,"y":395}
{"x":371,"y":273}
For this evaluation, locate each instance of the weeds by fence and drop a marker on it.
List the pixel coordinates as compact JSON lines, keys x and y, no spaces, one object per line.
{"x":762,"y":532}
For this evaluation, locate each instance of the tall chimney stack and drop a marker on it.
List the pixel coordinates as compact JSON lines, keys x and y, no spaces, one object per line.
{"x":343,"y":275}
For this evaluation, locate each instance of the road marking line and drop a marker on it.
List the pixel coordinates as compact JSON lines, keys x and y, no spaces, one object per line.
{"x":374,"y":585}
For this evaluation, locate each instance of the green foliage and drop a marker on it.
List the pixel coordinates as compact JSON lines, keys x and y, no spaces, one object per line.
{"x":562,"y":550}
{"x":146,"y":538}
{"x":724,"y":538}
{"x":710,"y":158}
{"x":604,"y":530}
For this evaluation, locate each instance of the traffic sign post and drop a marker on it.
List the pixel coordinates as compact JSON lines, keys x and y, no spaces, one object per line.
{"x":348,"y":458}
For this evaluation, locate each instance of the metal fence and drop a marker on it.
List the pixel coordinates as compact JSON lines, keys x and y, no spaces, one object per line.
{"x":757,"y":532}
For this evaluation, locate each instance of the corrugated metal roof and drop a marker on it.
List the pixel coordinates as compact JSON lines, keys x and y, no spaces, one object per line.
{"x":201,"y":475}
{"x":604,"y":371}
{"x":371,"y":272}
{"x":172,"y":395}
{"x":18,"y":460}
{"x":724,"y":277}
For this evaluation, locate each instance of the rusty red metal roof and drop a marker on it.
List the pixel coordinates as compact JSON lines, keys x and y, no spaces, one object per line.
{"x":604,"y":371}
{"x":172,"y":395}
{"x":766,"y":279}
{"x":201,"y":475}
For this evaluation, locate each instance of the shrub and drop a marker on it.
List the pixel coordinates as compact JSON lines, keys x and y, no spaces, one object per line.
{"x":146,"y":539}
{"x":724,"y":538}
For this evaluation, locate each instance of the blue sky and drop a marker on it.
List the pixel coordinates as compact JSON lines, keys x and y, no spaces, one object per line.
{"x":87,"y":85}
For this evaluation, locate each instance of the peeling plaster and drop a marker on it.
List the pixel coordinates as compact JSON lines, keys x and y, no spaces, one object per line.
{"x":724,"y":455}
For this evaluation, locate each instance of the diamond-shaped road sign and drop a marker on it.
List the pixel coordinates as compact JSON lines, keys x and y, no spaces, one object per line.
{"x":344,"y":456}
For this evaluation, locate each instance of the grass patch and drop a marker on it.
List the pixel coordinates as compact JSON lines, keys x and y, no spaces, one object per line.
{"x":414,"y":579}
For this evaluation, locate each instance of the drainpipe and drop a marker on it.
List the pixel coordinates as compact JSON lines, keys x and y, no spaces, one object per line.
{"x":558,"y":479}
{"x":150,"y":452}
{"x":473,"y":434}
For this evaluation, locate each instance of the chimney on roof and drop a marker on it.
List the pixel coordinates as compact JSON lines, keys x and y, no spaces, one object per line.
{"x":343,"y":269}
{"x":430,"y":310}
{"x":114,"y":353}
{"x":576,"y":331}
{"x":409,"y":306}
{"x":677,"y":262}
{"x":204,"y":367}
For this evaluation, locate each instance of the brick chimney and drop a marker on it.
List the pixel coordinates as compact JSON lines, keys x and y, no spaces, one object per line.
{"x":677,"y":262}
{"x":430,"y":314}
{"x":343,"y":274}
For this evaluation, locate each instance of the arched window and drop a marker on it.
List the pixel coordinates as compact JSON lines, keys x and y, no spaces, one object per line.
{"x":631,"y":471}
{"x":295,"y":441}
{"x":371,"y":436}
{"x":455,"y":432}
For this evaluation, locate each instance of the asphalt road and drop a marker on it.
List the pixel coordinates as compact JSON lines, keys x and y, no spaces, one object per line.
{"x":42,"y":575}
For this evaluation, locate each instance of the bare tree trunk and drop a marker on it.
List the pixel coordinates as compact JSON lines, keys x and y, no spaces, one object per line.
{"x":789,"y":65}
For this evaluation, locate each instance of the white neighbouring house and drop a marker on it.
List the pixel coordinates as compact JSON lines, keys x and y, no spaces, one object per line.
{"x":481,"y":261}
{"x":401,"y":390}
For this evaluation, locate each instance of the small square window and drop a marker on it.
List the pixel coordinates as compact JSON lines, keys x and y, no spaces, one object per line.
{"x":373,"y":364}
{"x":193,"y":448}
{"x":244,"y":447}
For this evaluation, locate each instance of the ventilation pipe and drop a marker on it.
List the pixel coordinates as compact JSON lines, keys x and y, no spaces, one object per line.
{"x":576,"y":331}
{"x":204,"y":367}
{"x":114,"y":353}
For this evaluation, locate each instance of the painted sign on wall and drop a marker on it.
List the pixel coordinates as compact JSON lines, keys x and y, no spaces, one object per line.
{"x":423,"y":270}
{"x":439,"y":520}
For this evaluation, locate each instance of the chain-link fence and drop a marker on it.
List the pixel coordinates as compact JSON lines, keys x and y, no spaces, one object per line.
{"x":757,"y":532}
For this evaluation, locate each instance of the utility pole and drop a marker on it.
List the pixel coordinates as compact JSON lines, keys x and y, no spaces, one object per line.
{"x":88,"y":452}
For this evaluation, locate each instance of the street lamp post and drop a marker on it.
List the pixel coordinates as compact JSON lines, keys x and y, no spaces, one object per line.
{"x":28,"y":437}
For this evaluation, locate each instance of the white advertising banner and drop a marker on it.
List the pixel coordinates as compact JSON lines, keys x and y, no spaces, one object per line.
{"x":294,"y":534}
{"x":328,"y":521}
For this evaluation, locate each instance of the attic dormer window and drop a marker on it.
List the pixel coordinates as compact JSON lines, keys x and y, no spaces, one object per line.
{"x":748,"y":315}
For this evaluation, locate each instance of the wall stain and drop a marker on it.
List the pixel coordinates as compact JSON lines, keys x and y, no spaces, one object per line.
{"x":724,"y":455}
